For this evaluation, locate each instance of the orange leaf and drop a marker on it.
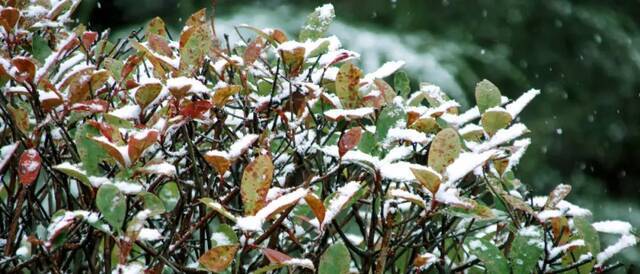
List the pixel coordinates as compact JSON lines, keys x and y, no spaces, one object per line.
{"x":195,"y":109}
{"x":349,"y":140}
{"x":29,"y":166}
{"x":218,"y":258}
{"x":253,"y":51}
{"x":139,"y":142}
{"x":26,"y":69}
{"x":316,"y":205}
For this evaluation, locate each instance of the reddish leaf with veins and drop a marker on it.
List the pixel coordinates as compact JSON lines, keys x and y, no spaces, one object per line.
{"x":29,"y":166}
{"x":349,"y":140}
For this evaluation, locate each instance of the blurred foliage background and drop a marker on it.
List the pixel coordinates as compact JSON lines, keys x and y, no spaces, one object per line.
{"x":585,"y":57}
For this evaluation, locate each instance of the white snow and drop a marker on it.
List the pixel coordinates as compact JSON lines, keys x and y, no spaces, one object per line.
{"x":465,"y":163}
{"x":385,"y":70}
{"x":410,"y":135}
{"x":195,"y":86}
{"x":343,"y":195}
{"x":162,"y":168}
{"x":254,"y":223}
{"x":399,"y":172}
{"x":624,"y":242}
{"x":613,"y":227}
{"x":403,"y":194}
{"x":518,"y":105}
{"x":567,"y":208}
{"x":128,"y":112}
{"x":241,"y":145}
{"x":326,"y":12}
{"x":149,"y":234}
{"x":305,"y":263}
{"x":502,"y":136}
{"x":348,"y":114}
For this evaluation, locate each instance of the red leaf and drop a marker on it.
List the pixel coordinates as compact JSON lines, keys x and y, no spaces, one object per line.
{"x":195,"y":109}
{"x":349,"y":140}
{"x":88,"y":37}
{"x":106,"y":130}
{"x":93,"y":106}
{"x":29,"y":166}
{"x":274,"y":256}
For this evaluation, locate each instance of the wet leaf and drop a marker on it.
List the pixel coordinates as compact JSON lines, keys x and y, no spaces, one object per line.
{"x":74,"y":172}
{"x":112,"y":204}
{"x":195,"y":109}
{"x":495,"y":119}
{"x":252,"y":53}
{"x":195,"y":43}
{"x":445,"y":148}
{"x":25,"y":69}
{"x":487,"y":95}
{"x":156,"y":27}
{"x":221,"y":95}
{"x":428,"y":178}
{"x":91,"y":153}
{"x":139,"y":142}
{"x":348,"y":85}
{"x":526,"y":249}
{"x":9,"y":17}
{"x":29,"y":166}
{"x":169,"y":194}
{"x":349,"y":140}
{"x":316,"y":205}
{"x":293,"y":59}
{"x":558,"y":194}
{"x":489,"y":254}
{"x":335,"y":260}
{"x":218,"y":258}
{"x":152,"y":203}
{"x":146,"y":93}
{"x":40,"y":48}
{"x":401,"y":83}
{"x":256,"y":181}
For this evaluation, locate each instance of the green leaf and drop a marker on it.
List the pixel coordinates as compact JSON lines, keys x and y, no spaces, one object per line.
{"x":526,"y":249}
{"x":335,"y":260}
{"x":112,"y":204}
{"x":489,"y":254}
{"x":317,"y":23}
{"x":74,"y":172}
{"x":494,"y":120}
{"x":256,"y":181}
{"x":487,"y":95}
{"x":401,"y":83}
{"x":591,"y":239}
{"x":40,"y":48}
{"x":445,"y":148}
{"x":224,"y":236}
{"x":348,"y":85}
{"x":368,"y":143}
{"x":388,"y":118}
{"x":169,"y":194}
{"x":152,"y":203}
{"x":91,"y":153}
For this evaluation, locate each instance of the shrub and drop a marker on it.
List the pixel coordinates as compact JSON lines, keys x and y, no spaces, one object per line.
{"x":190,"y":155}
